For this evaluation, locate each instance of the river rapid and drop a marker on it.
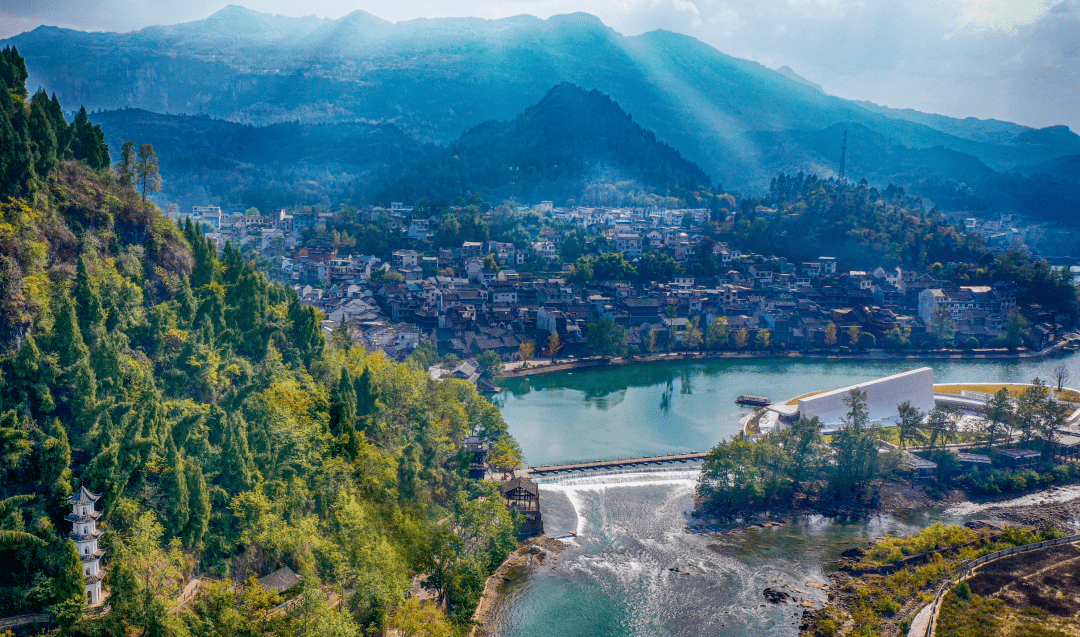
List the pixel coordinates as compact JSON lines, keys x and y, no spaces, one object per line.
{"x":634,"y":569}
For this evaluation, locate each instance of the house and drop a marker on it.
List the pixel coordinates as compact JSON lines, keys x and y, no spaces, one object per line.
{"x":280,"y":580}
{"x":523,"y":496}
{"x":1018,"y":458}
{"x":403,"y":259}
{"x":478,"y":450}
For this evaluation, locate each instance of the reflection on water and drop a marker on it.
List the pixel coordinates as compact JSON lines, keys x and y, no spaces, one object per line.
{"x":635,"y":570}
{"x":679,"y":406}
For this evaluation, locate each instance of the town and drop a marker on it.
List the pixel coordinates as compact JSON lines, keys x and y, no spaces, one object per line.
{"x":537,"y":296}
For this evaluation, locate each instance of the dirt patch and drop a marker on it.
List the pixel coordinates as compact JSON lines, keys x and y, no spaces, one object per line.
{"x":1048,"y":580}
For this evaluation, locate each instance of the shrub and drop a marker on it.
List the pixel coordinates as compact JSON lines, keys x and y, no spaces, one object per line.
{"x":963,"y":591}
{"x":889,"y":607}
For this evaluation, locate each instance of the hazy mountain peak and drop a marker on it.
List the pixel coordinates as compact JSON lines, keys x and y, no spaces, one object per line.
{"x":792,"y":75}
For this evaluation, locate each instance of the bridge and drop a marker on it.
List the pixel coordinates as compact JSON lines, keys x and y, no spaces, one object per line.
{"x":615,"y":464}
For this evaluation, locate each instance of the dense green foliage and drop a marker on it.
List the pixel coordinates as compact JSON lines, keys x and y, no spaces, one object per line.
{"x":226,"y":436}
{"x":34,"y":136}
{"x":804,"y":217}
{"x":793,"y":465}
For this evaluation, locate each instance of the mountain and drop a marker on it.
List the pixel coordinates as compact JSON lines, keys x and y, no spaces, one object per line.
{"x":572,"y":146}
{"x":436,"y":79}
{"x":212,"y":161}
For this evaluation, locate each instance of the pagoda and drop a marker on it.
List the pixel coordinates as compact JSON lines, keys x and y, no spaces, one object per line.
{"x":84,"y":532}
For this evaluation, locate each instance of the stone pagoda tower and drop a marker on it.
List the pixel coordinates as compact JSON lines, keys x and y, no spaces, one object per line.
{"x":85,"y":533}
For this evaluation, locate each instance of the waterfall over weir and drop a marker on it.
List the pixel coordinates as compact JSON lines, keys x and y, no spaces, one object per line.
{"x":634,"y":569}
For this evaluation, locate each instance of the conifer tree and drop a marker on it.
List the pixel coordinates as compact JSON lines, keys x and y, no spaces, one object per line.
{"x":88,"y":142}
{"x":42,"y":135}
{"x":125,"y":168}
{"x":343,"y":413}
{"x":198,"y":505}
{"x":67,"y":338}
{"x":147,"y":173}
{"x":174,"y":486}
{"x":31,"y":377}
{"x":54,"y":462}
{"x":365,"y":393}
{"x":235,"y":471}
{"x":186,"y":305}
{"x":90,"y":311}
{"x":60,"y":126}
{"x":69,"y":588}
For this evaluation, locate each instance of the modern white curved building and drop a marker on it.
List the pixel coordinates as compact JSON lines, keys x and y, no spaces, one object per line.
{"x":883,"y":395}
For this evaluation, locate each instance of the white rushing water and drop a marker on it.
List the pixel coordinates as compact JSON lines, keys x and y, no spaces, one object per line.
{"x":1049,"y":496}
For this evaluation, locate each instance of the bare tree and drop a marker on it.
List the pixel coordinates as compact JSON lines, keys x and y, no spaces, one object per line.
{"x":1060,"y":376}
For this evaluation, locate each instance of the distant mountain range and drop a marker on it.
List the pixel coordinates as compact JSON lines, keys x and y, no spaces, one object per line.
{"x":436,"y":79}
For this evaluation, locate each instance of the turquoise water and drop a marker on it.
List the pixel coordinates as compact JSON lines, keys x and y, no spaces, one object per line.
{"x":618,"y":577}
{"x":668,"y":407}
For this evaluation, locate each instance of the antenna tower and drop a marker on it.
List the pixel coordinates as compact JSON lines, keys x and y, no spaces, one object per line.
{"x":843,"y":158}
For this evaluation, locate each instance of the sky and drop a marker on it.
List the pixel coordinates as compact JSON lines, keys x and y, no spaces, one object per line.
{"x":1015,"y":60}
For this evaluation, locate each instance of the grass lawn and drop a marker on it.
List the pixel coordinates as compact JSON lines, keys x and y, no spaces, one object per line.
{"x":1015,"y":390}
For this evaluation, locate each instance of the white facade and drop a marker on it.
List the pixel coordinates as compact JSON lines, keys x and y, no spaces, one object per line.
{"x":882,"y":398}
{"x":85,"y":533}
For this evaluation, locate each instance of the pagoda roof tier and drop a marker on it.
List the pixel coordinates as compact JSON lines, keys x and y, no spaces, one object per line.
{"x":90,"y":557}
{"x":80,"y":519}
{"x":83,"y":496}
{"x":86,"y":537}
{"x":96,"y":577}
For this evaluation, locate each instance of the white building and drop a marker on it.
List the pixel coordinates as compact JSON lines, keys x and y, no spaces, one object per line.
{"x":85,"y":533}
{"x":882,"y":398}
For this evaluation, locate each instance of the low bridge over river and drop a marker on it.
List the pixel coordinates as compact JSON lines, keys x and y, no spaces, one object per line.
{"x":616,"y":464}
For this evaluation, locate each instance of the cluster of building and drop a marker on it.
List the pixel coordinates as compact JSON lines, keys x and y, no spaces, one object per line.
{"x":495,"y":295}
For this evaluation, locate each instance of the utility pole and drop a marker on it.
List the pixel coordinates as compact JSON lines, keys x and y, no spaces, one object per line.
{"x":843,"y":158}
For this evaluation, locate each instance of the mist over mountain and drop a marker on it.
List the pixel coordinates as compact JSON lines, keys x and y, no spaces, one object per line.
{"x":573,"y":146}
{"x":213,"y":161}
{"x":437,"y":78}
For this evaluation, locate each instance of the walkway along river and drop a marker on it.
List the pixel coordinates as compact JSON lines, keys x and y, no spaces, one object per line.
{"x":634,"y":569}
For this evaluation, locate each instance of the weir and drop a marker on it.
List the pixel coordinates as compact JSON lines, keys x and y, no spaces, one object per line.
{"x":692,"y":456}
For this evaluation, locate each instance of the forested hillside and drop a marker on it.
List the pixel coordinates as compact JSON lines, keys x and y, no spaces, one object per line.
{"x":573,"y":146}
{"x":227,"y":435}
{"x":216,"y":162}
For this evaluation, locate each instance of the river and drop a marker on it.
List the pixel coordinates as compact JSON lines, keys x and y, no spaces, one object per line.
{"x":616,"y":578}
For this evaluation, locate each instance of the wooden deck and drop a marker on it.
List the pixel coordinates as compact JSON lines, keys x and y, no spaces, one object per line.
{"x":621,"y":462}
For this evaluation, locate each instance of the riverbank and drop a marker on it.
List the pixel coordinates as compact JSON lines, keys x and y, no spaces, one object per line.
{"x":536,"y":551}
{"x":520,"y":370}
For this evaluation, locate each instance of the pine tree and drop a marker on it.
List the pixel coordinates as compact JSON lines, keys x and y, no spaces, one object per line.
{"x":31,"y":376}
{"x":343,"y":413}
{"x":198,"y":505}
{"x":147,"y":173}
{"x":90,"y":311}
{"x":125,"y":168}
{"x":236,"y":461}
{"x":67,"y":338}
{"x":88,"y":142}
{"x":186,"y":305}
{"x":69,"y":588}
{"x":42,"y":135}
{"x":54,"y":462}
{"x":175,"y":488}
{"x":365,"y":393}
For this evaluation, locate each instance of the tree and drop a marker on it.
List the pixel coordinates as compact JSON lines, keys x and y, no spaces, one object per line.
{"x":717,"y":334}
{"x":415,"y":618}
{"x":997,"y":416}
{"x":693,"y":334}
{"x":940,"y":425}
{"x":866,"y":341}
{"x":1060,"y":375}
{"x":147,"y":173}
{"x":898,"y":338}
{"x":554,"y":344}
{"x":1015,"y":329}
{"x":69,"y":588}
{"x":742,"y":338}
{"x":830,"y":334}
{"x":853,"y":333}
{"x":942,"y":328}
{"x":1030,"y":409}
{"x":650,"y":341}
{"x":803,"y":438}
{"x":525,"y":351}
{"x":10,"y":538}
{"x":763,"y":339}
{"x":88,"y":142}
{"x":198,"y":505}
{"x":605,"y":338}
{"x":907,"y":425}
{"x":490,"y":364}
{"x":125,"y":168}
{"x":175,"y":489}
